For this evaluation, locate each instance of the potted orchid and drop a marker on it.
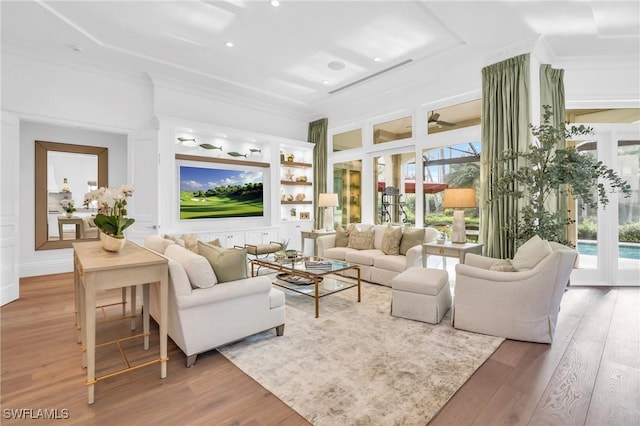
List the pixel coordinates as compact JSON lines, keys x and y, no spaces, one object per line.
{"x":112,"y":210}
{"x":68,"y":207}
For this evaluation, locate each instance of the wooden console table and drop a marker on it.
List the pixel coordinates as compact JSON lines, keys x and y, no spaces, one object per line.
{"x":96,"y":269}
{"x":73,"y":220}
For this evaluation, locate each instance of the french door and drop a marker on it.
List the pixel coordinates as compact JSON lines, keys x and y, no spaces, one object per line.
{"x":609,"y":237}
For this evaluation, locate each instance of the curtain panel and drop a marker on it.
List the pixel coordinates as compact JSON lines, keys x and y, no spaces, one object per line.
{"x":318,"y":136}
{"x":505,"y":127}
{"x":552,"y":94}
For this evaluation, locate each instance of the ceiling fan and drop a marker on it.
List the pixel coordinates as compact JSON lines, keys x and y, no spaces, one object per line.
{"x":435,"y":118}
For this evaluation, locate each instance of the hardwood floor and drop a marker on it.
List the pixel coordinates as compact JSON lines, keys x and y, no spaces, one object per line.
{"x":590,"y":375}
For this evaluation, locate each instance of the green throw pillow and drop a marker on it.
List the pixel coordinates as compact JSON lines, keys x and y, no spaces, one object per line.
{"x":391,"y":240}
{"x":228,"y":264}
{"x":411,"y":237}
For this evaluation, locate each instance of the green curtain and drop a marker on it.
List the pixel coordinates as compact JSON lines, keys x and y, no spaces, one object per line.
{"x":552,"y":94}
{"x":505,"y":126}
{"x":318,"y":136}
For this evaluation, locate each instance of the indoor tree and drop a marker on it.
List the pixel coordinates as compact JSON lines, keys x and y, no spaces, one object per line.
{"x":548,"y":171}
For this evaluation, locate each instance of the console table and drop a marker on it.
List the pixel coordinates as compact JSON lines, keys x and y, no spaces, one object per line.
{"x":449,"y":249}
{"x":96,"y":269}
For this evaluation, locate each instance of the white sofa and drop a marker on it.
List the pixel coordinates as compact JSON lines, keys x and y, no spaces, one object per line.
{"x":521,"y":302}
{"x":375,"y":266}
{"x":201,"y":319}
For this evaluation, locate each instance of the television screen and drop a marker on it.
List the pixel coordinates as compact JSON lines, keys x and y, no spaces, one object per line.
{"x":211,"y":193}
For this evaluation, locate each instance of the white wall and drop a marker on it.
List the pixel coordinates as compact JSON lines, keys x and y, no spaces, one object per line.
{"x":63,"y":103}
{"x":33,"y":262}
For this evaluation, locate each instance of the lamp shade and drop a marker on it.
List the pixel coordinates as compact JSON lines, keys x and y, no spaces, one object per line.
{"x":459,"y":198}
{"x":327,"y":200}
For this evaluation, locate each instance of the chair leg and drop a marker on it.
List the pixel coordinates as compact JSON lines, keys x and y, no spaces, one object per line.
{"x":191,"y":360}
{"x":280,"y":330}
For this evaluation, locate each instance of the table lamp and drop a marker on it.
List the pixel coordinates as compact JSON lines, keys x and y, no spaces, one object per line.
{"x":459,"y":198}
{"x":329,"y":202}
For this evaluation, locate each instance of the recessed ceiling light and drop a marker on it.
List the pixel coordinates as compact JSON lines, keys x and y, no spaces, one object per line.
{"x":229,"y":44}
{"x":377,"y":59}
{"x":336,"y":65}
{"x":275,"y":3}
{"x":325,"y":82}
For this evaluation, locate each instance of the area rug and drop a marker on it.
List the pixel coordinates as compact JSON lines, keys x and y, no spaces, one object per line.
{"x":358,"y":365}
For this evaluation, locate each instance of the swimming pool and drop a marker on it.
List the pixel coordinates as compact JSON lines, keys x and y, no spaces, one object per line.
{"x":625,"y":250}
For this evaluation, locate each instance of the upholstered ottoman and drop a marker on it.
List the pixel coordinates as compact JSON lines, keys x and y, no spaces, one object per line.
{"x":421,"y":294}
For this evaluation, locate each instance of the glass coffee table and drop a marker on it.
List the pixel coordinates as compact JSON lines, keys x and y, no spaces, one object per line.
{"x":297,"y":274}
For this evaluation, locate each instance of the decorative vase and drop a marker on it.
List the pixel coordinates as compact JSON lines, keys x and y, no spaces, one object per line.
{"x":69,"y":214}
{"x":110,"y":243}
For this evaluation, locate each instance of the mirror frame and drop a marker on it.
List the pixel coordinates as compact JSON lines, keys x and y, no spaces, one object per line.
{"x":42,"y":149}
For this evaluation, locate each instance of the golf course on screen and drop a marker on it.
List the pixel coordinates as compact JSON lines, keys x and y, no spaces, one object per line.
{"x":207,"y":193}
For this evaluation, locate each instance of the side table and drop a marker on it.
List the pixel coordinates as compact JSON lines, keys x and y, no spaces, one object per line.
{"x":449,"y":249}
{"x":313,"y":235}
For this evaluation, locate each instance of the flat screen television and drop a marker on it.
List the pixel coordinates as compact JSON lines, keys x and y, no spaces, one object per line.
{"x":214,"y":193}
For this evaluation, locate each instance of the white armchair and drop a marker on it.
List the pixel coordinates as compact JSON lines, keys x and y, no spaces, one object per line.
{"x":520,"y":305}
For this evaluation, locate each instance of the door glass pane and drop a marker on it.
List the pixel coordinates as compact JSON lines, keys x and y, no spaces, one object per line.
{"x":456,"y":166}
{"x":629,"y":208}
{"x":395,"y":185}
{"x":587,"y":220}
{"x":393,"y":130}
{"x":347,"y":177}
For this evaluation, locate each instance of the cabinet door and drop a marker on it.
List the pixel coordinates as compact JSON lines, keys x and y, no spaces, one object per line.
{"x":292,"y":231}
{"x":262,"y":236}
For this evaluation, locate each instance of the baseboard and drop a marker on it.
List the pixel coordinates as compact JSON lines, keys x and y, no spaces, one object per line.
{"x":45,"y":268}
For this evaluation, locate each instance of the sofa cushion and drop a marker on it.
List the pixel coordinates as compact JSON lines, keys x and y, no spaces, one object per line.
{"x":157,"y":243}
{"x":198,"y":269}
{"x":361,"y":240}
{"x":410,"y":237}
{"x":531,"y":253}
{"x":391,"y":240}
{"x":395,"y":263}
{"x":337,"y":253}
{"x":503,"y":265}
{"x":342,"y":236}
{"x":228,"y":264}
{"x":363,"y":257}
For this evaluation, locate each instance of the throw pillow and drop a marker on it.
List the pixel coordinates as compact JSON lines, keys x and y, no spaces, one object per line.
{"x":391,"y":240}
{"x":198,"y":269}
{"x":361,"y":240}
{"x":215,"y":242}
{"x":175,"y":239}
{"x":228,"y":264}
{"x":410,"y":238}
{"x":503,"y":265}
{"x":531,"y":253}
{"x":190,"y":242}
{"x":342,"y":236}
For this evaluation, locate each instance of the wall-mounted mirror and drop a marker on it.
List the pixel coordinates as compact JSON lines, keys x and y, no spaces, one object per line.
{"x":64,"y":173}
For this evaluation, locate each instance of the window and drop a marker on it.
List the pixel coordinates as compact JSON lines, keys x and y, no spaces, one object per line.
{"x":456,"y":166}
{"x":395,"y":188}
{"x":393,"y":130}
{"x":454,"y":117}
{"x":347,"y":140}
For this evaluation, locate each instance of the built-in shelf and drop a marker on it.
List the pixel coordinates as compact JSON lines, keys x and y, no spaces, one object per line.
{"x":296,"y":202}
{"x":294,"y":164}
{"x":292,"y":182}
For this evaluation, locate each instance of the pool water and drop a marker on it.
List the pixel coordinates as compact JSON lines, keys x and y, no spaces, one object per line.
{"x":627,"y":251}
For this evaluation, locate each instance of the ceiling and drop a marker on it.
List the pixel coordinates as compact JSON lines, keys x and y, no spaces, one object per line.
{"x":302,"y":53}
